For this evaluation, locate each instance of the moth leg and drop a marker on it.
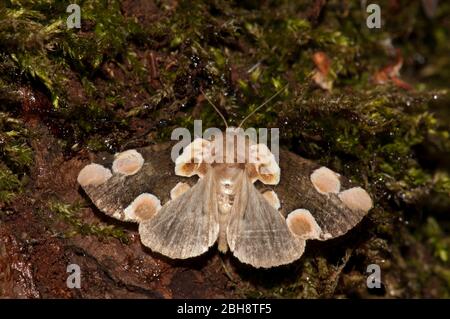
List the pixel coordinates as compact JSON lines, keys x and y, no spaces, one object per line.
{"x":303,"y":225}
{"x":226,"y":269}
{"x":272,"y":198}
{"x":142,"y":208}
{"x":178,"y":190}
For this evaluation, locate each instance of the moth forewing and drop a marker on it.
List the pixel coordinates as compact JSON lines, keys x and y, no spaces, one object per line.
{"x":113,"y":192}
{"x":306,"y":185}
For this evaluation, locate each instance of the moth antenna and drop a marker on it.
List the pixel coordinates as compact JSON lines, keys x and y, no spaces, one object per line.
{"x":259,"y":107}
{"x":215,"y":108}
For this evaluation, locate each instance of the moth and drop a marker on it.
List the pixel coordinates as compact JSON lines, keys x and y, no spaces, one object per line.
{"x":228,"y":190}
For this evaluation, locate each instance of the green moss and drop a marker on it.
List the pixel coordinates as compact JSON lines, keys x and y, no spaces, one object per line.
{"x":437,"y":238}
{"x":15,"y":157}
{"x":444,"y":274}
{"x":70,"y":214}
{"x":10,"y":185}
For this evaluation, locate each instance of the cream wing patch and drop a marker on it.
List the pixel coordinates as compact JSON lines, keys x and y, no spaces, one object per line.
{"x":303,"y":225}
{"x":128,"y":162}
{"x":191,"y":161}
{"x":325,"y":180}
{"x":143,"y":207}
{"x":93,"y":174}
{"x":356,"y":198}
{"x":268,"y":171}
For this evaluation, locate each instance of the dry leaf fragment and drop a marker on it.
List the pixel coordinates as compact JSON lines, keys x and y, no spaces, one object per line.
{"x":321,"y":75}
{"x":391,"y":73}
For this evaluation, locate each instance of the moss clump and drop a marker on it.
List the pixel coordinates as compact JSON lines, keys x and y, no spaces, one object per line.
{"x":70,"y":214}
{"x":370,"y":138}
{"x":15,"y":157}
{"x":433,"y":235}
{"x":63,"y":63}
{"x":10,"y":185}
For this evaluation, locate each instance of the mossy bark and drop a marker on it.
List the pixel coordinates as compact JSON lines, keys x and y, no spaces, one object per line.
{"x":135,"y":70}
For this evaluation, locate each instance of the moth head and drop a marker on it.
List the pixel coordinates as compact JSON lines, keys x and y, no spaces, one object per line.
{"x":232,"y":147}
{"x":194,"y":159}
{"x":262,"y":165}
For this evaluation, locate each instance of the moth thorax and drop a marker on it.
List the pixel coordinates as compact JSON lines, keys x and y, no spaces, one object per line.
{"x":228,"y":174}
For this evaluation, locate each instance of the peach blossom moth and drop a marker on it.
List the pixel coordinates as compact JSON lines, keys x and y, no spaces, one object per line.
{"x":236,"y":204}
